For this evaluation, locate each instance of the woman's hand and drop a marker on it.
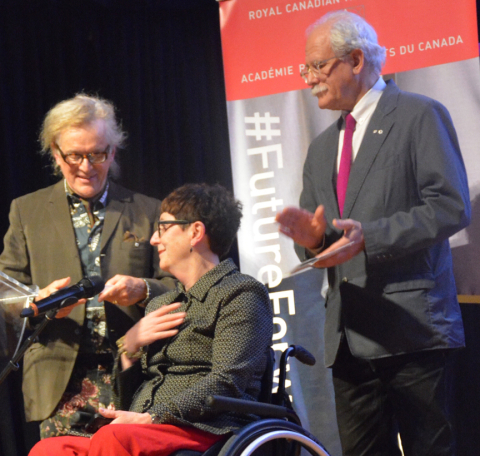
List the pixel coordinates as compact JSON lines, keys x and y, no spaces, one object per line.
{"x":52,"y":288}
{"x":156,"y":325}
{"x":123,"y":417}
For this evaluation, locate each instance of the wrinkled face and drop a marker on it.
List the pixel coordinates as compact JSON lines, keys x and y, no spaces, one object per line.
{"x":334,"y":84}
{"x":173,"y":245}
{"x":84,"y":179}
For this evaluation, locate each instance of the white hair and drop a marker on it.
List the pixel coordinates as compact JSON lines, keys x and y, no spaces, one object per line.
{"x":349,"y":32}
{"x":80,"y":110}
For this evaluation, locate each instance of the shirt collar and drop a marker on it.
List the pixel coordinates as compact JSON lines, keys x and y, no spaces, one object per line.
{"x":74,"y":197}
{"x":365,"y":107}
{"x":202,"y":286}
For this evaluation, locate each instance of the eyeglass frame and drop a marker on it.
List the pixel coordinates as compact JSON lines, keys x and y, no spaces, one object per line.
{"x":160,"y":223}
{"x":89,"y":156}
{"x":316,"y":67}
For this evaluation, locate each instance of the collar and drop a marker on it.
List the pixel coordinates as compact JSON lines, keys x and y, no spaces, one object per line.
{"x":365,"y":107}
{"x":76,"y":198}
{"x":202,"y":286}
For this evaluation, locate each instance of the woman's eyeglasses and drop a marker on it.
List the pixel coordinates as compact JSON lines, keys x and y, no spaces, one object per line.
{"x":164,"y":225}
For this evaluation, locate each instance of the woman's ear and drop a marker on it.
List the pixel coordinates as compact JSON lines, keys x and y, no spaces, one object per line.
{"x":198,"y":232}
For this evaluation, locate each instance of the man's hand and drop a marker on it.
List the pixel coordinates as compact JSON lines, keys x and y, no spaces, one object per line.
{"x":305,"y":228}
{"x":123,"y":417}
{"x":352,"y":233}
{"x":52,"y":288}
{"x":124,"y":290}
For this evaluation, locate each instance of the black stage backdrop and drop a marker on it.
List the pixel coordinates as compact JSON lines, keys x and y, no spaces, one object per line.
{"x":160,"y":63}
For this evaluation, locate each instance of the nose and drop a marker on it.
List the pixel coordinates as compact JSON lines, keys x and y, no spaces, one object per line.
{"x":312,"y":78}
{"x":85,"y":166}
{"x":155,"y":239}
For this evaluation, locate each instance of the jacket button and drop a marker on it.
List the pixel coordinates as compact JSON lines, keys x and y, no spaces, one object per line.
{"x":345,"y":280}
{"x":78,"y":331}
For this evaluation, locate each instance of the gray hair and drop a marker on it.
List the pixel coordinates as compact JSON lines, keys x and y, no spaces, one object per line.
{"x":77,"y":111}
{"x":349,"y":32}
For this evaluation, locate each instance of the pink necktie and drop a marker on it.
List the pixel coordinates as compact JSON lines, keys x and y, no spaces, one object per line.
{"x":345,"y":161}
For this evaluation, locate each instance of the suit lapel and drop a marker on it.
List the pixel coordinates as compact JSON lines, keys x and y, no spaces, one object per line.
{"x":59,"y":213}
{"x":114,"y":209}
{"x":375,"y":135}
{"x":330,"y":170}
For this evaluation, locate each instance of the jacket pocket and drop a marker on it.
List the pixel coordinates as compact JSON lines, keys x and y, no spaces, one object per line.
{"x":409,"y":285}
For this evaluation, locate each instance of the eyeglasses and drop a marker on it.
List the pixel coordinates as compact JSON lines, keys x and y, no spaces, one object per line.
{"x":95,"y":158}
{"x":164,"y":225}
{"x":315,"y":68}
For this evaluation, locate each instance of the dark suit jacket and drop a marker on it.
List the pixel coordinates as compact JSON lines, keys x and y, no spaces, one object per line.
{"x":40,"y":247}
{"x":408,"y":188}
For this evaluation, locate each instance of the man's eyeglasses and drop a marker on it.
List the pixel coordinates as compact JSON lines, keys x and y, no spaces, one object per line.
{"x":315,"y":68}
{"x":164,"y":225}
{"x":95,"y":158}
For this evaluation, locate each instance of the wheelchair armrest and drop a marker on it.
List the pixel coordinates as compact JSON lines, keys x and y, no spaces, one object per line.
{"x":229,"y":404}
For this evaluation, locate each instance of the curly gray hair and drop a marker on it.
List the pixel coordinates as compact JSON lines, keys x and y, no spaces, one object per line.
{"x":348,"y":32}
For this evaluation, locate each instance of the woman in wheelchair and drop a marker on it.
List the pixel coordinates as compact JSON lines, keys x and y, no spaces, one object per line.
{"x":209,"y":336}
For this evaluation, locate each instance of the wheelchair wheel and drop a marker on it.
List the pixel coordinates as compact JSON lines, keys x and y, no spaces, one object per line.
{"x":259,"y":433}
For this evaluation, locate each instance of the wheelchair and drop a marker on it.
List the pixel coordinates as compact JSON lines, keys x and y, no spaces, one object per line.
{"x":279,"y":431}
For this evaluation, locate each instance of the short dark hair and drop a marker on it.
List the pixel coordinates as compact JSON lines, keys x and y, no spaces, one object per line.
{"x":214,"y":206}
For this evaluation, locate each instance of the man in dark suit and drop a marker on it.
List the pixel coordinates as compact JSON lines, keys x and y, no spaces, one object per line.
{"x":84,"y":225}
{"x":392,"y":316}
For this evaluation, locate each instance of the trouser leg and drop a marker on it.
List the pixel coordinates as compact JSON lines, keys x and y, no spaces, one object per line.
{"x":409,"y":392}
{"x":61,"y":446}
{"x":364,"y":412}
{"x":129,"y":440}
{"x":421,"y":392}
{"x":148,"y":440}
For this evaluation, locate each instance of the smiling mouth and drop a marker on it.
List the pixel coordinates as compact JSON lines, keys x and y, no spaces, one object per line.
{"x":86,"y":177}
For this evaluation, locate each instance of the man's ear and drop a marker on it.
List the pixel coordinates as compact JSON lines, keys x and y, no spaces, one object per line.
{"x":358,"y":60}
{"x":198,"y":232}
{"x":56,"y":154}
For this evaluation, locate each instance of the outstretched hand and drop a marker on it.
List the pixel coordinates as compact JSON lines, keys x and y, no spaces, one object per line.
{"x":352,"y":234}
{"x":305,"y":228}
{"x":123,"y":290}
{"x":52,"y":288}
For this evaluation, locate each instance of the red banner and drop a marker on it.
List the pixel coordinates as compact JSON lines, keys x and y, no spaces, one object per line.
{"x":263,"y":48}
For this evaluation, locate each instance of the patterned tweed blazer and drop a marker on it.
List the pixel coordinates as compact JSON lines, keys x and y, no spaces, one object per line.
{"x":220,"y":349}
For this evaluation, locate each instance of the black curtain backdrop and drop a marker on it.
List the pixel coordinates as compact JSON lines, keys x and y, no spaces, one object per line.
{"x":160,"y":63}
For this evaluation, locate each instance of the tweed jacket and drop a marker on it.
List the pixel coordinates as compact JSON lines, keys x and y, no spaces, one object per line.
{"x":220,"y":349}
{"x":408,"y":188}
{"x":40,"y":247}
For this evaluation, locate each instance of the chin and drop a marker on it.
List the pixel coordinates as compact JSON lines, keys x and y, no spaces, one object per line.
{"x":328,"y":104}
{"x":164,"y":266}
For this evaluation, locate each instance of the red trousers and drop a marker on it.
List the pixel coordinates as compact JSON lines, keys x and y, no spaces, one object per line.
{"x":128,"y":440}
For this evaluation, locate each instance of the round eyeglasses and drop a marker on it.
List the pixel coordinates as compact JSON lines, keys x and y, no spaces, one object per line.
{"x":164,"y":225}
{"x":315,"y":68}
{"x":95,"y":158}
